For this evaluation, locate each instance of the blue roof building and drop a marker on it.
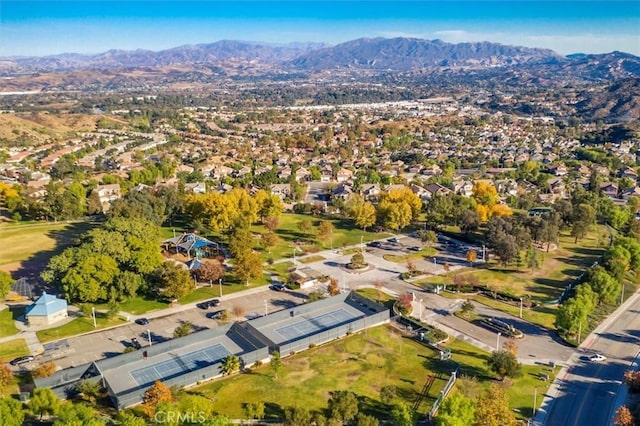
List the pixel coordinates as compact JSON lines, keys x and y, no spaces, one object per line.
{"x":46,"y":310}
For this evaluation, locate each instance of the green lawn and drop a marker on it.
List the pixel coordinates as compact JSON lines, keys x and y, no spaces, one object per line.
{"x":559,"y":268}
{"x":13,"y":349}
{"x":77,"y":326}
{"x":345,"y":233}
{"x":7,"y":324}
{"x":38,"y":241}
{"x":363,"y":363}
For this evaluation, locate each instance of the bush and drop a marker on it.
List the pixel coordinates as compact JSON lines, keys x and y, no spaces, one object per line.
{"x":44,"y":370}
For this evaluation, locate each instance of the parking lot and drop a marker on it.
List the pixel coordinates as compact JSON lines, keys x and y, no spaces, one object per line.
{"x":107,"y":343}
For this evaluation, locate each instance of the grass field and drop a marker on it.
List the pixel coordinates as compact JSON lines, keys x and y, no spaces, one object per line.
{"x":77,"y":326}
{"x":13,"y":349}
{"x":362,"y":363}
{"x":7,"y":318}
{"x":33,"y":244}
{"x":559,"y":268}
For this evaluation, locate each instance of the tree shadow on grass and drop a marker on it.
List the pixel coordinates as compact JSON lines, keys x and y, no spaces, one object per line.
{"x":373,"y":407}
{"x":36,"y":263}
{"x":273,"y":411}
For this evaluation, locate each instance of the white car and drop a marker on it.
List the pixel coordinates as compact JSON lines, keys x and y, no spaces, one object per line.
{"x":597,"y":357}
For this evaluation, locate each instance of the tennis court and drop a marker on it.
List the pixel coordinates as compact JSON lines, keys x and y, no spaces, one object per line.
{"x":179,"y":364}
{"x":306,"y":327}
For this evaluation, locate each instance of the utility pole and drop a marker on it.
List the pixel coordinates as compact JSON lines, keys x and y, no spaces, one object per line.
{"x":579,"y":331}
{"x":535,"y":402}
{"x":149,"y":336}
{"x":220,"y":285}
{"x":266,"y":307}
{"x":498,"y":342}
{"x":93,"y":314}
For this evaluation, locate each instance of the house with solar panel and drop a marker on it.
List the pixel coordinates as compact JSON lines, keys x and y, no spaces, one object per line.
{"x":192,"y":245}
{"x":46,"y":310}
{"x":191,"y":360}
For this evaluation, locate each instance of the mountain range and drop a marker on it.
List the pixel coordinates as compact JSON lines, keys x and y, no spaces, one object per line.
{"x":371,"y":54}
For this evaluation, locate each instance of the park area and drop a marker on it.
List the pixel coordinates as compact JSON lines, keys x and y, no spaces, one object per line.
{"x":363,"y":363}
{"x":28,"y":247}
{"x":543,"y":285}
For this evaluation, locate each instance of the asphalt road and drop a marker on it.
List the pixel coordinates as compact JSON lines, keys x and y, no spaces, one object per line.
{"x":588,"y":390}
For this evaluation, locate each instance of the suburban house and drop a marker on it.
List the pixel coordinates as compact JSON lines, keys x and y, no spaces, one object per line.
{"x":107,"y":194}
{"x":610,"y":189}
{"x":282,"y":190}
{"x":195,"y":188}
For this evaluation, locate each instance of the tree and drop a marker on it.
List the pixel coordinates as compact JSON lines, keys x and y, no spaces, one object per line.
{"x":295,"y":416}
{"x":472,"y":255}
{"x":172,"y":280}
{"x":606,"y":287}
{"x":456,"y":410}
{"x":6,"y":377}
{"x":468,"y":220}
{"x":248,"y":265}
{"x":269,"y":239}
{"x":77,"y":414}
{"x":388,"y":393}
{"x":467,"y":308}
{"x":127,"y":418}
{"x":504,"y":364}
{"x":364,"y":420}
{"x":254,"y":410}
{"x":44,"y":401}
{"x":325,"y":230}
{"x":305,"y":226}
{"x":623,"y":417}
{"x":333,"y":288}
{"x":11,"y":412}
{"x":184,"y":329}
{"x":584,"y":216}
{"x":357,"y":261}
{"x":156,"y":394}
{"x":401,"y":414}
{"x":230,"y":365}
{"x":45,"y":370}
{"x":90,"y":390}
{"x":427,"y":237}
{"x":492,"y":408}
{"x":276,"y":363}
{"x":343,"y":405}
{"x":5,"y":284}
{"x":271,"y":223}
{"x":209,"y":271}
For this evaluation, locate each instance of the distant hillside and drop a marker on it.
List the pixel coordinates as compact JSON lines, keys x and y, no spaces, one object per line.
{"x":402,"y":54}
{"x":618,"y":102}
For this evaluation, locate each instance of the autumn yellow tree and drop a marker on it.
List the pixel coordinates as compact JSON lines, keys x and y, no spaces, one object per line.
{"x":155,"y":395}
{"x":623,"y":417}
{"x":488,"y":202}
{"x":362,"y":212}
{"x":492,"y":408}
{"x":398,"y":207}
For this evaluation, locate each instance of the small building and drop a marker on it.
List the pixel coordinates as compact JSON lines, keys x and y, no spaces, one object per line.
{"x":46,"y":310}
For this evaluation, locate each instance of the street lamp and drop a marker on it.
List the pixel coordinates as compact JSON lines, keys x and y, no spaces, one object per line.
{"x":93,"y":314}
{"x":498,"y":341}
{"x":521,"y":307}
{"x":220,"y":285}
{"x":266,"y":308}
{"x":149,"y":336}
{"x":420,"y":300}
{"x":361,"y":240}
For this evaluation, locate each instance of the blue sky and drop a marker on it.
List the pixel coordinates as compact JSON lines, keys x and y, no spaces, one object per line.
{"x":49,"y":27}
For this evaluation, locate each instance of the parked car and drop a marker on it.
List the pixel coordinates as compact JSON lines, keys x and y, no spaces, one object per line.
{"x":142,"y":321}
{"x":415,"y":248}
{"x":597,"y":357}
{"x":21,"y":360}
{"x":135,"y":343}
{"x":278,"y":287}
{"x":209,"y":304}
{"x":216,"y":315}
